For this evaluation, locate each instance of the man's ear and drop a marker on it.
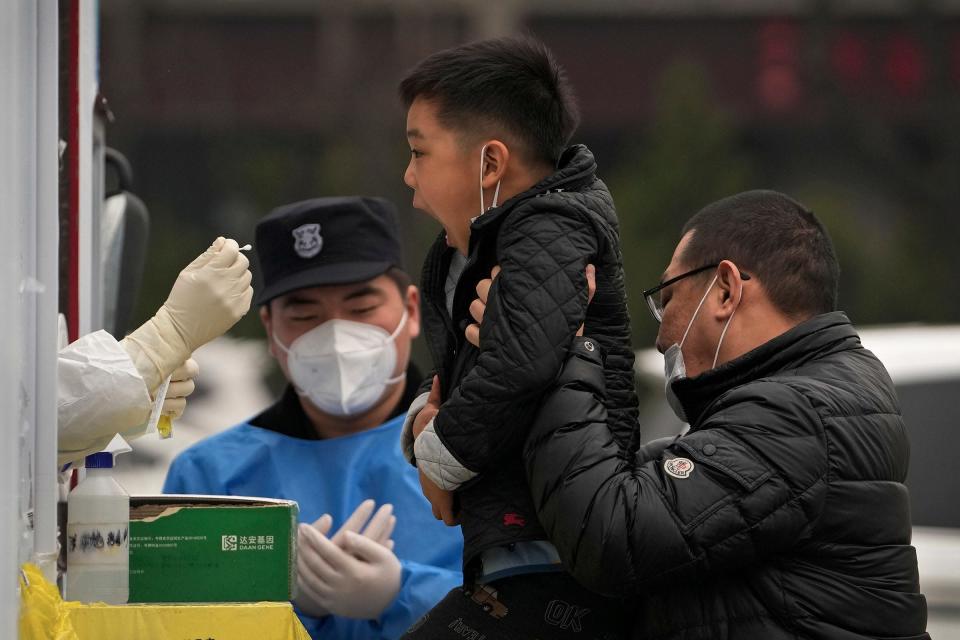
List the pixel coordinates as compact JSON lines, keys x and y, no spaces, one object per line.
{"x":412,"y":302}
{"x":729,"y":289}
{"x":267,"y":321}
{"x":496,"y":158}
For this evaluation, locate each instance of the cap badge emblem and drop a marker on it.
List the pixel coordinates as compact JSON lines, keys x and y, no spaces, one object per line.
{"x":307,"y":240}
{"x":678,"y":467}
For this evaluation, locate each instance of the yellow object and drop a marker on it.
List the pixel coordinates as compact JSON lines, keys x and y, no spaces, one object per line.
{"x":235,"y":621}
{"x":45,"y":616}
{"x":157,"y":420}
{"x":41,"y":609}
{"x":165,"y":427}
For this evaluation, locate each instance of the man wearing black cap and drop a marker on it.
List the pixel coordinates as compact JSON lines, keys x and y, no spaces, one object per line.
{"x":340,"y":315}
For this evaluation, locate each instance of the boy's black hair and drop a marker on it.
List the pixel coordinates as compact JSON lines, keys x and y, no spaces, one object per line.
{"x":775,"y":238}
{"x":511,"y":82}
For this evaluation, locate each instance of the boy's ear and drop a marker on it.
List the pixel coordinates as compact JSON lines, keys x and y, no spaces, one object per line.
{"x":496,"y":158}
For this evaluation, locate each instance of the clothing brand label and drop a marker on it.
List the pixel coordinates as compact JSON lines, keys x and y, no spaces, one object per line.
{"x":514,"y":520}
{"x":678,"y":467}
{"x":307,"y":241}
{"x":565,"y":615}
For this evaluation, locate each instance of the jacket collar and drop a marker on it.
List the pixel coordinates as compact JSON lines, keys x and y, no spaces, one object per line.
{"x":576,"y":167}
{"x":814,"y":338}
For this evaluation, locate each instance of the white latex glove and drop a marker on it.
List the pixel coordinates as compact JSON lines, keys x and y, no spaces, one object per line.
{"x":352,"y":574}
{"x":379,"y":528}
{"x":181,"y":386}
{"x":209,"y":296}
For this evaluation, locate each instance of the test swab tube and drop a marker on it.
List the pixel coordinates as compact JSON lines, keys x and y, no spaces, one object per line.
{"x":164,"y":424}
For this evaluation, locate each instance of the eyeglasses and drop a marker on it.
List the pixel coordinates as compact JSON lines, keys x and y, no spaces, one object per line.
{"x":652,"y":296}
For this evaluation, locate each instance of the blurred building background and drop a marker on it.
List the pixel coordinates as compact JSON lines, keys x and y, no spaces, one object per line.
{"x":228,"y":108}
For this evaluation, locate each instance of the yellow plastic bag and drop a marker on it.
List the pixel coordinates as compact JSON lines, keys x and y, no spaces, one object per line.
{"x":45,"y":616}
{"x":228,"y":621}
{"x":41,"y":609}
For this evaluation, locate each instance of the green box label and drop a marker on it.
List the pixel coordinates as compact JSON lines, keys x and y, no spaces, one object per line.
{"x":213,"y":554}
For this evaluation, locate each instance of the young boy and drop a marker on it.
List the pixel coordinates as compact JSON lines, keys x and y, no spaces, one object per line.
{"x":487,"y":124}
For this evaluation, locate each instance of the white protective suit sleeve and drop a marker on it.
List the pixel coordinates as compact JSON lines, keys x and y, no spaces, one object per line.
{"x":100,"y":393}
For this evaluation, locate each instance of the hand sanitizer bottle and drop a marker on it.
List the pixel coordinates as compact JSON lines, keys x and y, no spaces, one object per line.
{"x":98,"y":536}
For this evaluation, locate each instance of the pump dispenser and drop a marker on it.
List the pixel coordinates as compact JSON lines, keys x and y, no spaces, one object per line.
{"x":98,"y":536}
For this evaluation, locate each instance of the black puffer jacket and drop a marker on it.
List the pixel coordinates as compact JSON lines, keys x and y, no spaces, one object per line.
{"x":792,"y":522}
{"x":542,"y":239}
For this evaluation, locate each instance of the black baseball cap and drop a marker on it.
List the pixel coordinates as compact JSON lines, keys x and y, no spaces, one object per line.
{"x":326,"y":241}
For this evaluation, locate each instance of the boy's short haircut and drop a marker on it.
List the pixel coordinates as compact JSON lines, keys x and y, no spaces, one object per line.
{"x":513,"y":83}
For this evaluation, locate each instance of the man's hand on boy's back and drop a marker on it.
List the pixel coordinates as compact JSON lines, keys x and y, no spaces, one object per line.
{"x":479,"y":305}
{"x":441,"y":501}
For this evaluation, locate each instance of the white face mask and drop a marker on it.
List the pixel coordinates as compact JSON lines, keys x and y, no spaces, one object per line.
{"x":496,"y":192}
{"x":673,"y":364}
{"x":343,"y":366}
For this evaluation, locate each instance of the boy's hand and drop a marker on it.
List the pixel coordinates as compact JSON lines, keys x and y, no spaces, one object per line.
{"x":441,"y":501}
{"x":429,"y":410}
{"x":478,"y":306}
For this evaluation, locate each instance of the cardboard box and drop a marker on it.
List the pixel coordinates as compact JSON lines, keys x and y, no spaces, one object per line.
{"x":190,"y":548}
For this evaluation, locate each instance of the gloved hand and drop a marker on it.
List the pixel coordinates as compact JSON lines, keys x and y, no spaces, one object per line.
{"x":208,"y":297}
{"x":379,"y":528}
{"x":351,"y":574}
{"x":181,"y":385}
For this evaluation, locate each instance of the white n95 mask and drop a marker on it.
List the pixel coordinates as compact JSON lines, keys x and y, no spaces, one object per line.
{"x":342,"y":366}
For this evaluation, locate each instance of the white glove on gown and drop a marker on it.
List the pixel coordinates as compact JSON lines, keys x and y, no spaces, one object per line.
{"x":353,"y":574}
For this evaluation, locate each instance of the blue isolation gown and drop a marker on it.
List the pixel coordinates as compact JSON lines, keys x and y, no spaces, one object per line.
{"x":334,"y":476}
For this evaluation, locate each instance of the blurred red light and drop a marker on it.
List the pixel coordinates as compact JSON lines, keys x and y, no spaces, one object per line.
{"x":850,"y":58}
{"x":778,"y":42}
{"x":778,"y":84}
{"x":905,"y":66}
{"x":778,"y":87}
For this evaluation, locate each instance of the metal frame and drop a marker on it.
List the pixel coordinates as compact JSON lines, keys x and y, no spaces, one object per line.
{"x":29,"y":281}
{"x":47,"y":266}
